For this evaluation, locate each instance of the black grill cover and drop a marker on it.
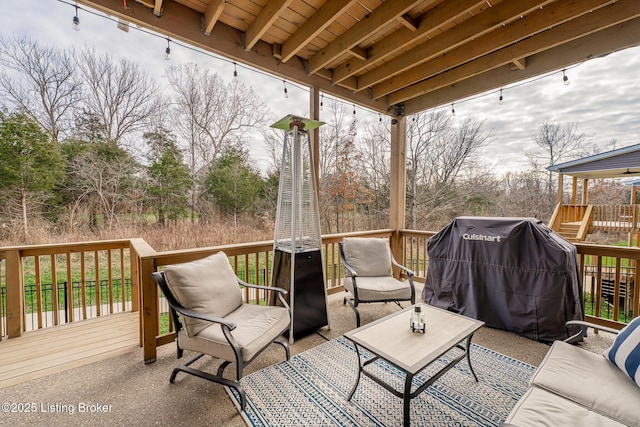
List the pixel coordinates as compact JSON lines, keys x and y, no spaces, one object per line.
{"x":512,"y":273}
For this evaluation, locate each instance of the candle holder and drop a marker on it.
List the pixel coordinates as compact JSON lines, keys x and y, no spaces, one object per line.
{"x":417,"y":320}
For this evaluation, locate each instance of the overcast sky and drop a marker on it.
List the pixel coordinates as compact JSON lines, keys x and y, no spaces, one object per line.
{"x":603,"y":94}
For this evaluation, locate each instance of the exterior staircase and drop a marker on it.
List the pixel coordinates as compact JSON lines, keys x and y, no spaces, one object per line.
{"x":570,"y":230}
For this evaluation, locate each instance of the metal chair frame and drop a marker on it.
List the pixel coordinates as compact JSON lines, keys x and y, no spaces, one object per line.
{"x":355,"y":301}
{"x":175,"y":307}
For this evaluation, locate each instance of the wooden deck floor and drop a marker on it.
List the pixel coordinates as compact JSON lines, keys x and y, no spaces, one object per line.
{"x":47,"y":351}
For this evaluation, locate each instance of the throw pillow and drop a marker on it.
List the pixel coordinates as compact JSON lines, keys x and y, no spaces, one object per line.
{"x":625,"y":351}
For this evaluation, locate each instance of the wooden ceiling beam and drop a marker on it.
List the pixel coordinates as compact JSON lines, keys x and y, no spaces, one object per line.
{"x":320,"y":20}
{"x":597,"y":44}
{"x":460,"y":35}
{"x":212,"y":14}
{"x":182,"y":23}
{"x":613,"y":14}
{"x":537,"y":21}
{"x":265,"y":19}
{"x":380,"y":18}
{"x":433,"y":19}
{"x":520,"y":63}
{"x":408,"y":22}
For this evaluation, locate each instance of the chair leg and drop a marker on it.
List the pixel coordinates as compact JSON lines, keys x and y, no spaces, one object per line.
{"x":284,"y":343}
{"x":216,"y":379}
{"x":355,"y":310}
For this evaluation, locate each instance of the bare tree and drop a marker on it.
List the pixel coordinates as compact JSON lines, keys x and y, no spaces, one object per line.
{"x":118,"y":93}
{"x":40,"y":81}
{"x":438,"y":153}
{"x":556,"y":143}
{"x":211,"y":116}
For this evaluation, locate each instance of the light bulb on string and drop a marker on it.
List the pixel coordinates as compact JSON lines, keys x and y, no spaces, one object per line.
{"x":354,"y":109}
{"x":453,"y":110}
{"x":501,"y":98}
{"x":286,"y":93}
{"x":321,"y":101}
{"x":167,"y":51}
{"x":380,"y":117}
{"x":565,"y":78}
{"x":235,"y":72}
{"x":75,"y":24}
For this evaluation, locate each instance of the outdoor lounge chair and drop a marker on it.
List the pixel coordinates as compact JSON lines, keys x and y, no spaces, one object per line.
{"x":211,"y":318}
{"x":369,"y":277}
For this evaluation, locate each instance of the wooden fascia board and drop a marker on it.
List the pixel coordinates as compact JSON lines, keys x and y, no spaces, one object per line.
{"x":472,"y":28}
{"x":211,"y":15}
{"x":537,"y":21}
{"x":603,"y":42}
{"x":182,"y":23}
{"x":435,"y":18}
{"x":320,"y":20}
{"x":382,"y":16}
{"x":265,"y":19}
{"x":611,"y":15}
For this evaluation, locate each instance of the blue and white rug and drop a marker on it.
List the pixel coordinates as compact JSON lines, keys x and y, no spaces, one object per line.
{"x":312,"y":389}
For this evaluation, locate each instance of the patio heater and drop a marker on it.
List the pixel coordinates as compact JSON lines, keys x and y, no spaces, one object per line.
{"x":297,"y":248}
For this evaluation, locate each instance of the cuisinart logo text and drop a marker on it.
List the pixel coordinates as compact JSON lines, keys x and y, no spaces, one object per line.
{"x":482,"y":237}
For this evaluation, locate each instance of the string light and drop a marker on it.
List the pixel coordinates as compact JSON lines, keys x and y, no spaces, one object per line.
{"x":235,"y":72}
{"x":286,"y":93}
{"x":167,"y":51}
{"x":354,"y":109}
{"x":321,"y":101}
{"x":75,"y":24}
{"x":380,"y":117}
{"x":453,"y":110}
{"x":501,"y":98}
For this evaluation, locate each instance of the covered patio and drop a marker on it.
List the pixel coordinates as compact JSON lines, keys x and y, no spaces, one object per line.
{"x":396,"y":58}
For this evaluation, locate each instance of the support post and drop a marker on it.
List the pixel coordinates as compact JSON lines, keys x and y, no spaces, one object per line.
{"x":398,"y":185}
{"x":585,"y":191}
{"x":560,"y":188}
{"x":15,"y":294}
{"x":314,"y":135}
{"x":149,"y":309}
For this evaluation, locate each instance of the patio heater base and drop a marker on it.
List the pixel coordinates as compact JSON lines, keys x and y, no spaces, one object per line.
{"x":309,"y":304}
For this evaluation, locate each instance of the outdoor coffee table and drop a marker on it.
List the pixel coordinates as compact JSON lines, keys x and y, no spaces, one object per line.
{"x":391,"y":339}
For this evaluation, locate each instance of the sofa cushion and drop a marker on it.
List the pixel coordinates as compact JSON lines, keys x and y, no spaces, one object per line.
{"x":379,"y":288}
{"x":207,"y":286}
{"x":369,"y":257}
{"x":589,"y":380}
{"x":539,"y":407}
{"x":625,"y":351}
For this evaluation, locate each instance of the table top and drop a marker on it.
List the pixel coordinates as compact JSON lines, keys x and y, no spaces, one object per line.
{"x":392,"y":339}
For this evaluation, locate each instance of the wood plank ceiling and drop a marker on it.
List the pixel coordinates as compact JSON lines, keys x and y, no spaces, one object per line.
{"x":394,"y":56}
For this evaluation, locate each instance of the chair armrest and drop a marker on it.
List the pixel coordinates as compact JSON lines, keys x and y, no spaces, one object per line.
{"x":266,"y":288}
{"x":350,"y":269}
{"x":583,"y":329}
{"x":410,"y":273}
{"x":205,"y":317}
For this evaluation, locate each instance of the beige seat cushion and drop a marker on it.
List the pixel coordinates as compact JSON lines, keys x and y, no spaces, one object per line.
{"x":379,"y":288}
{"x":590,"y":380}
{"x":207,"y":286}
{"x":541,"y":408}
{"x":256,"y":327}
{"x":369,"y":257}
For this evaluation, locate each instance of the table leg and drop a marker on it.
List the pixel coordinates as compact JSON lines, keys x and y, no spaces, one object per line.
{"x":355,"y":386}
{"x":469,"y":358}
{"x":407,"y":400}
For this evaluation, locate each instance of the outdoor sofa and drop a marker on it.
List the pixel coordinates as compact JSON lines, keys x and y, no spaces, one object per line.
{"x":575,"y":387}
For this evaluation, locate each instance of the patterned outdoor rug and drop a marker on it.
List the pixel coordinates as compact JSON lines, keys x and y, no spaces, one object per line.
{"x":312,"y":389}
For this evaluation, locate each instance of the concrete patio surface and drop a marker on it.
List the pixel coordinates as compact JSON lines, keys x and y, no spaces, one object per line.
{"x":124,"y":391}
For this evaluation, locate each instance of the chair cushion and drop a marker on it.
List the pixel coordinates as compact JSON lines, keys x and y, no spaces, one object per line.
{"x":539,"y":407}
{"x":588,"y":379}
{"x":207,"y":286}
{"x":369,"y":257}
{"x":625,"y":351}
{"x":256,"y":327}
{"x":379,"y":288}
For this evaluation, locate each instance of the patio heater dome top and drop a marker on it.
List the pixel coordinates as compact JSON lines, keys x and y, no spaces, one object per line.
{"x":288,"y":122}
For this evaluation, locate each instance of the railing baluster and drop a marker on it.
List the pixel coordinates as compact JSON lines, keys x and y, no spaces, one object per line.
{"x":96,"y":264}
{"x":54,"y":291}
{"x":110,"y":280}
{"x":69,"y":287}
{"x":83,"y":285}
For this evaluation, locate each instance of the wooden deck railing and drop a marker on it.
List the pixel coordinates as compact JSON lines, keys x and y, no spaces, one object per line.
{"x":49,"y":285}
{"x":609,"y":275}
{"x":622,"y":218}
